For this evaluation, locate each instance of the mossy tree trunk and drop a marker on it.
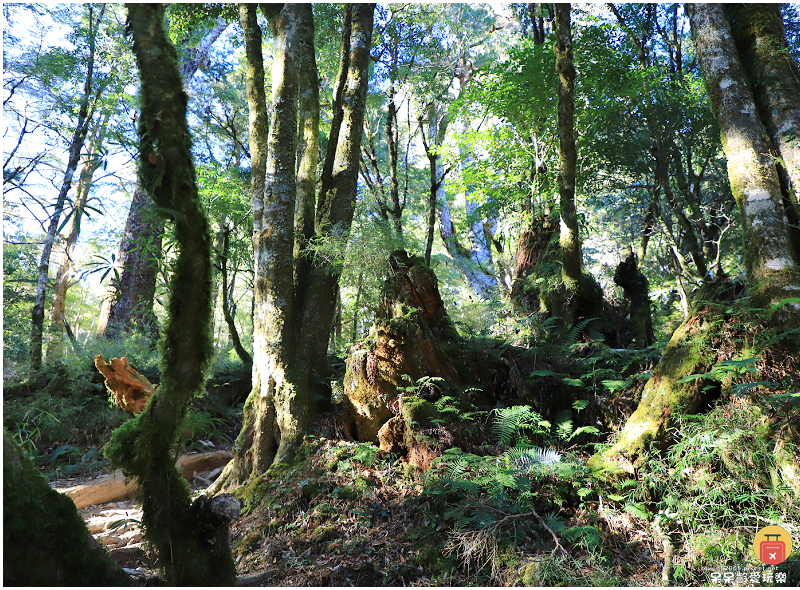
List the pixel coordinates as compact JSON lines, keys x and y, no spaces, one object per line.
{"x":687,"y":353}
{"x":45,"y":539}
{"x":295,"y":300}
{"x":582,"y":300}
{"x":775,"y":79}
{"x":772,"y":270}
{"x":191,"y":541}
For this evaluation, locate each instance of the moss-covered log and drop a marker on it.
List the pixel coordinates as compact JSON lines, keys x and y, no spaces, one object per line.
{"x":191,"y":539}
{"x":45,"y":540}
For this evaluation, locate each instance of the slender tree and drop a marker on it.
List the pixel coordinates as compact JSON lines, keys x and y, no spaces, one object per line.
{"x":91,"y":92}
{"x":190,"y":538}
{"x":571,"y":265}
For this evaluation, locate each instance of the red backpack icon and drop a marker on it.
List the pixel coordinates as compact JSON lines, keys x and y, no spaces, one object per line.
{"x":772,"y":552}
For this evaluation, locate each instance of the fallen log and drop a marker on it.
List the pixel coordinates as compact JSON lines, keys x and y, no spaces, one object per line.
{"x":114,"y":488}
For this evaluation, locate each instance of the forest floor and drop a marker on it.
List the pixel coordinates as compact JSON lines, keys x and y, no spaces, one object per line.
{"x":346,"y":513}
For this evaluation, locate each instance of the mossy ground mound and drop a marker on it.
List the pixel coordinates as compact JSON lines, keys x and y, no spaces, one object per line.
{"x":45,"y":540}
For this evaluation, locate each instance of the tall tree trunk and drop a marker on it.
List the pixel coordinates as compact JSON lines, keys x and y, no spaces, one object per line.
{"x":292,"y":329}
{"x":772,"y":270}
{"x":335,"y":216}
{"x":191,"y":538}
{"x":307,"y":149}
{"x":571,"y":265}
{"x":128,"y":303}
{"x":775,"y":79}
{"x":75,"y":148}
{"x":92,"y":161}
{"x":772,"y":275}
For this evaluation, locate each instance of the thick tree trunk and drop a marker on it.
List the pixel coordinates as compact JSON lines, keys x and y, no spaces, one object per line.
{"x":191,"y":538}
{"x":45,"y":539}
{"x":775,"y":79}
{"x":76,"y":145}
{"x":292,"y":329}
{"x":128,"y":303}
{"x":772,"y":272}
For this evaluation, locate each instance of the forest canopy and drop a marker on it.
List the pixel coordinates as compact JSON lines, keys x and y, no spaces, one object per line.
{"x":539,"y":261}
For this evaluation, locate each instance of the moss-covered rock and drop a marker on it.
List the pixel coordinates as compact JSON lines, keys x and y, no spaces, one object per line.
{"x":45,"y":540}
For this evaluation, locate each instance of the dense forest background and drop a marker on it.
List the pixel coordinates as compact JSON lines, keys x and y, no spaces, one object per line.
{"x":524,"y":276}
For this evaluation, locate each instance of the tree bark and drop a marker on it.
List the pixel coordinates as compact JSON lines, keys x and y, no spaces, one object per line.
{"x":45,"y":540}
{"x":128,"y":302}
{"x":775,"y":79}
{"x":190,"y":538}
{"x":292,"y":328}
{"x":76,"y":145}
{"x":571,"y":269}
{"x":772,"y":271}
{"x":307,"y":149}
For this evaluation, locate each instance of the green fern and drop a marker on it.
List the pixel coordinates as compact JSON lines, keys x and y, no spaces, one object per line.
{"x":575,"y":332}
{"x":511,"y":422}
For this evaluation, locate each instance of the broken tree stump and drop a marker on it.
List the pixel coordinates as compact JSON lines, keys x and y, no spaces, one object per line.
{"x":131,"y":390}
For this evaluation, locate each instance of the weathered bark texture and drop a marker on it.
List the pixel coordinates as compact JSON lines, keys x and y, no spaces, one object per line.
{"x":128,"y":303}
{"x":775,"y":80}
{"x":45,"y":540}
{"x":412,"y":343}
{"x":293,"y":325}
{"x":536,"y":250}
{"x":132,"y":390}
{"x":85,"y":114}
{"x":190,"y":538}
{"x":772,"y":272}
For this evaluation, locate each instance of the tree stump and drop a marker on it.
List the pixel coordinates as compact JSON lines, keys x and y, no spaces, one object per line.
{"x":132,"y":391}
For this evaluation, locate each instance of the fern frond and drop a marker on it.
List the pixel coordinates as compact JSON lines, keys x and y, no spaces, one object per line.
{"x":575,"y":331}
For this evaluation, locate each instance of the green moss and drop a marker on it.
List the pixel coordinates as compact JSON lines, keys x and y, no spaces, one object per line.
{"x":45,"y":540}
{"x":252,"y":493}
